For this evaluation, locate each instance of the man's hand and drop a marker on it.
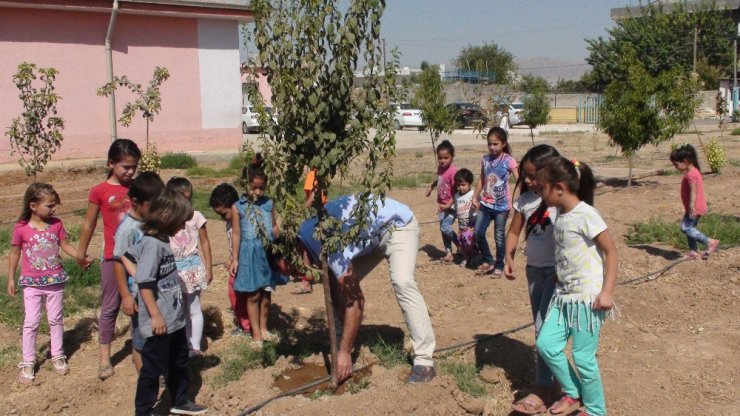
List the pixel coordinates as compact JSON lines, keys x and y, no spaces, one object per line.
{"x":159,"y":327}
{"x":344,"y":366}
{"x":128,"y":306}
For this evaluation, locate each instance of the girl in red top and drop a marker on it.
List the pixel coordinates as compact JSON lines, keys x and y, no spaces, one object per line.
{"x":692,"y":195}
{"x":109,"y":199}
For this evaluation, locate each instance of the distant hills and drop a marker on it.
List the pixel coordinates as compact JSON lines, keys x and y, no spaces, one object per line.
{"x":552,"y":69}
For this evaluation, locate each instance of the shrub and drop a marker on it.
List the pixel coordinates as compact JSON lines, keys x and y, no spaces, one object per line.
{"x":179,"y":160}
{"x":150,"y":160}
{"x":715,"y":155}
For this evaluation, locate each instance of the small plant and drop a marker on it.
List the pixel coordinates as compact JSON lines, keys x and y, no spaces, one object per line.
{"x":179,"y":160}
{"x":735,"y":132}
{"x":536,"y":111}
{"x":389,"y":355}
{"x":419,"y":155}
{"x":354,"y":388}
{"x":715,"y":155}
{"x":242,"y":358}
{"x":150,"y":160}
{"x":466,"y":376}
{"x":37,"y":134}
{"x":148,"y":101}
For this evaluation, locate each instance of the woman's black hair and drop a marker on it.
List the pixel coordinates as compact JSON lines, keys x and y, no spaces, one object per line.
{"x":685,"y":153}
{"x":464,"y":175}
{"x":502,"y":135}
{"x":181,"y":185}
{"x":536,"y":156}
{"x":121,"y":148}
{"x":224,"y":195}
{"x":446,"y":145}
{"x":169,"y":210}
{"x":577,"y":176}
{"x":145,"y":187}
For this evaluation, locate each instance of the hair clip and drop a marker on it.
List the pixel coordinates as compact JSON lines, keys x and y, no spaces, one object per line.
{"x":577,"y":165}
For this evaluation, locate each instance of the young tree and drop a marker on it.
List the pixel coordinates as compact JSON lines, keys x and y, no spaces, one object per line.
{"x":149,"y":102}
{"x":309,"y":51}
{"x":640,"y":109}
{"x":536,"y":111}
{"x":37,"y":133}
{"x":530,"y":83}
{"x":430,"y":98}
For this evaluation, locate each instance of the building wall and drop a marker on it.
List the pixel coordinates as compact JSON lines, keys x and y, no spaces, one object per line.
{"x":73,"y":42}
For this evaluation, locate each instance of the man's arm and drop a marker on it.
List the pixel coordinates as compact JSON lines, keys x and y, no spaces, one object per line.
{"x":351,"y":302}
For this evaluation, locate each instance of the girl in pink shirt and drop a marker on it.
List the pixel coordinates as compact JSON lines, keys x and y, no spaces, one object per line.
{"x":109,"y":199}
{"x":445,"y":185}
{"x":37,"y":238}
{"x":692,"y":195}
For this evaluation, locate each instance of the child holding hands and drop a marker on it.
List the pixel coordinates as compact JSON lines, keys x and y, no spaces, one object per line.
{"x":445,"y":185}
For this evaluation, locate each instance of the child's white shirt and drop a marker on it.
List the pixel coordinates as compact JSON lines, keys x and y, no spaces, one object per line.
{"x":464,"y":211}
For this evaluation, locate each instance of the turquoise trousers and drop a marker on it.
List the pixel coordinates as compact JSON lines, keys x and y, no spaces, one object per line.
{"x":581,"y":323}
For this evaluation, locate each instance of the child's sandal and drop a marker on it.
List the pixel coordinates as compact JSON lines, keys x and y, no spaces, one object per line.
{"x":567,"y":405}
{"x":105,"y":371}
{"x":26,"y":373}
{"x":60,"y":365}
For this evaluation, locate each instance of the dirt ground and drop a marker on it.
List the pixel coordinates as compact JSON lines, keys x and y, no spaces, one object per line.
{"x":673,"y":349}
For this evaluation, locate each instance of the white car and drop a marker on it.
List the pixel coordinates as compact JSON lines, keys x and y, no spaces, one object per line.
{"x":407,"y":116}
{"x":515,"y":110}
{"x":250,"y":119}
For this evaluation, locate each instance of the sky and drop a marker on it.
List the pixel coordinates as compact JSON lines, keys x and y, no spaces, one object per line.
{"x":436,"y":30}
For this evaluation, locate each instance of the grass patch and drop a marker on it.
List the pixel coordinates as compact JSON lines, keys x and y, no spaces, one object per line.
{"x":413,"y":181}
{"x":201,"y":197}
{"x":208,"y":172}
{"x":319,"y":393}
{"x":242,"y":358}
{"x":179,"y":160}
{"x":723,"y":227}
{"x":354,"y":388}
{"x":419,"y":155}
{"x":671,"y":172}
{"x":80,"y":294}
{"x":5,"y":235}
{"x":237,"y":163}
{"x":734,"y":162}
{"x":10,"y":355}
{"x":389,"y":355}
{"x":466,"y":376}
{"x":73,"y":232}
{"x":735,"y":132}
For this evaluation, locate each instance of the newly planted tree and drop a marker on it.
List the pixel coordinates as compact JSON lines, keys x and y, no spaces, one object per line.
{"x":536,"y":111}
{"x":149,"y":102}
{"x":309,"y":51}
{"x":430,"y":98}
{"x":37,"y":133}
{"x":640,"y":109}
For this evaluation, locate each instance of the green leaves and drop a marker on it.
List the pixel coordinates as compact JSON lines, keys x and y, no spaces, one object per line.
{"x":536,"y":111}
{"x":37,"y":133}
{"x":430,"y":98}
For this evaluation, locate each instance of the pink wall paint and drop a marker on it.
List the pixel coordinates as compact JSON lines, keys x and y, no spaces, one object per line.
{"x":73,"y":42}
{"x":262,"y":85}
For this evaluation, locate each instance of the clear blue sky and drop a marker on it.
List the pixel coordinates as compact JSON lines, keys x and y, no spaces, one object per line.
{"x":436,"y":30}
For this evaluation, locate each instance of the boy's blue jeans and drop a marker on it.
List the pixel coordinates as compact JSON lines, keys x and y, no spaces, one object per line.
{"x":541,"y":285}
{"x":581,"y":323}
{"x":483,"y":220}
{"x":446,"y":219}
{"x":688,"y":226}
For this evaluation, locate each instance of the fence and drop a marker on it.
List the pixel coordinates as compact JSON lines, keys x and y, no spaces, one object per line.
{"x":588,"y":108}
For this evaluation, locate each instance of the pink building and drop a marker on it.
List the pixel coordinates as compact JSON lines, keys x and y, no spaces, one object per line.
{"x":197,"y":41}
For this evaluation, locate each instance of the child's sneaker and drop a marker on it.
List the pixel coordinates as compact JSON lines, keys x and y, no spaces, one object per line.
{"x":26,"y":373}
{"x":188,"y":408}
{"x":60,"y":365}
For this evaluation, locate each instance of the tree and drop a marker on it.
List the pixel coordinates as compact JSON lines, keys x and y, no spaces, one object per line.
{"x":430,"y":98}
{"x":640,"y":108}
{"x":37,"y":134}
{"x":663,"y":40}
{"x":529,"y":83}
{"x":149,"y":102}
{"x":309,"y":51}
{"x":570,"y":86}
{"x":536,"y":111}
{"x":489,"y":58}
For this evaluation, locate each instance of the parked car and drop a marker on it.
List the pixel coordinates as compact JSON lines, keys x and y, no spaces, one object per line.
{"x":250,"y":119}
{"x":407,"y":116}
{"x":514,"y":111}
{"x":467,"y":114}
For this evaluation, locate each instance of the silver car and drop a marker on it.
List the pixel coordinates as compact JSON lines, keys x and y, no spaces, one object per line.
{"x":407,"y":116}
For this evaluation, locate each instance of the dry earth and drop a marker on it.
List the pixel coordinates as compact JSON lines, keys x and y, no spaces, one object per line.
{"x":672,"y":350}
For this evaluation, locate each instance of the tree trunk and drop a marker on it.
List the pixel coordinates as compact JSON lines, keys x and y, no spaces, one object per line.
{"x":629,"y":174}
{"x":531,"y":133}
{"x":433,"y":138}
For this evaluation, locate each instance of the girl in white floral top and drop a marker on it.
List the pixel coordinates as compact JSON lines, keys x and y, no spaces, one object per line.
{"x":195,"y":273}
{"x":586,"y":267}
